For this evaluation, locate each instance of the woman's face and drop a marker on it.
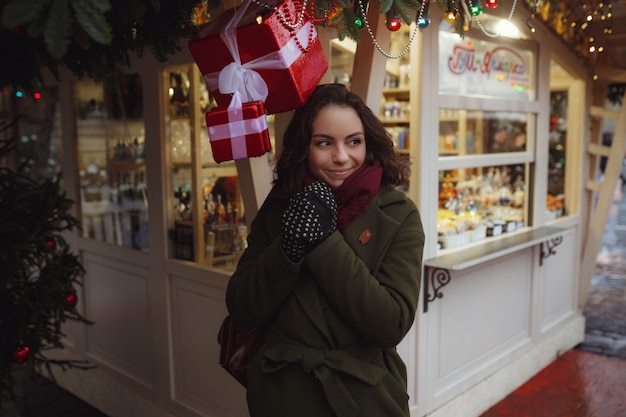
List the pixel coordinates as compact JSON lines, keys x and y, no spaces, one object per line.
{"x":337,"y":147}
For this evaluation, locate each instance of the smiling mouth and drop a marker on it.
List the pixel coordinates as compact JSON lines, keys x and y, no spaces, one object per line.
{"x":341,"y":173}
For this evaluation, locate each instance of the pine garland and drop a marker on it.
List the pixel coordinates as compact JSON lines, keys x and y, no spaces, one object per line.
{"x":96,"y":38}
{"x":93,"y":38}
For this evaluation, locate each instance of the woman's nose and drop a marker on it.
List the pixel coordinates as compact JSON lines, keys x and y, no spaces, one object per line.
{"x":340,"y":153}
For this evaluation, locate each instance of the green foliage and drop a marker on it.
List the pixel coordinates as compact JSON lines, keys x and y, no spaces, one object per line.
{"x":38,"y":271}
{"x":57,"y":29}
{"x":89,"y":14}
{"x":96,"y":38}
{"x":345,"y":26}
{"x":92,"y":38}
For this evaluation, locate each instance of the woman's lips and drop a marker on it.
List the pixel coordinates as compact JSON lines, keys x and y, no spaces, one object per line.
{"x":340,"y":174}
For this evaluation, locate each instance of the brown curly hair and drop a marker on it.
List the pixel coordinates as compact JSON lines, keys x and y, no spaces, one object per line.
{"x":292,"y":162}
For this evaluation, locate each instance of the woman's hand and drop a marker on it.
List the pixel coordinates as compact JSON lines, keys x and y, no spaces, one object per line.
{"x":309,"y":219}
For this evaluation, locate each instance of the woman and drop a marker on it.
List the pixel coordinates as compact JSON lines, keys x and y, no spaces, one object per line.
{"x":333,"y":263}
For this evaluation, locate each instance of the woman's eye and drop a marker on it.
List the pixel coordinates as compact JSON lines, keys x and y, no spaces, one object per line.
{"x":355,"y":141}
{"x":322,"y":143}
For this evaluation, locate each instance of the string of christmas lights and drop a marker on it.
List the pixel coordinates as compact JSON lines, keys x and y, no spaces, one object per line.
{"x":582,"y":25}
{"x":349,"y":17}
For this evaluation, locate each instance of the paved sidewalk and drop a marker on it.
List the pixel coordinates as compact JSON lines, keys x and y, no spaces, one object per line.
{"x":589,"y":381}
{"x":605,"y":311}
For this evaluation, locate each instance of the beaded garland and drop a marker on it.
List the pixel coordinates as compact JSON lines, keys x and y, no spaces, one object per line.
{"x":284,"y":15}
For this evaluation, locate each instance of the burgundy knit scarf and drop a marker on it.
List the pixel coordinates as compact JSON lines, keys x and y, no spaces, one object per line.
{"x":355,"y":193}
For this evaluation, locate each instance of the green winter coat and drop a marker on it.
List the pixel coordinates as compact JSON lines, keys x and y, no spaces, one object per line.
{"x":336,"y":317}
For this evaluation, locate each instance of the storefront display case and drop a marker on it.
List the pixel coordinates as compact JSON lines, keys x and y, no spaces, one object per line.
{"x":112,"y":170}
{"x":206,"y":212}
{"x":395,"y":112}
{"x":481,"y":202}
{"x":487,"y":131}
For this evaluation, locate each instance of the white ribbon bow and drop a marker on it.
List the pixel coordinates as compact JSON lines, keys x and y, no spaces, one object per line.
{"x":243,"y":77}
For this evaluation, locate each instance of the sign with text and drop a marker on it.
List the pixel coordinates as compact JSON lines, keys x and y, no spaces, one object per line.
{"x":470,"y":67}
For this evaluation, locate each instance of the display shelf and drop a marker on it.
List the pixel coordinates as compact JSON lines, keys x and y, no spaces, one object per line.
{"x":206,"y":214}
{"x":397,"y":93}
{"x":493,"y":249}
{"x":116,"y":167}
{"x":393,"y":122}
{"x":112,"y":170}
{"x":207,"y":165}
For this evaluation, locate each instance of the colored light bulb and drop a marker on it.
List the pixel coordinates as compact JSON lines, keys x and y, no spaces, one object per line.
{"x":394,"y":24}
{"x":475,"y":9}
{"x":450,"y":16}
{"x":422,"y":20}
{"x":359,"y":22}
{"x":21,"y":354}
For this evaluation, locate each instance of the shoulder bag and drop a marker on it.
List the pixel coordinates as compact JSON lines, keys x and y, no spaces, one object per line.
{"x":238,"y":347}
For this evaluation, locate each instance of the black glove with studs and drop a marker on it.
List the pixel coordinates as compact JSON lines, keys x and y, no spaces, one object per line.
{"x":309,"y":219}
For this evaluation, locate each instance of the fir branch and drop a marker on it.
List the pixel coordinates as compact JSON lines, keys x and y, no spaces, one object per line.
{"x":19,"y":12}
{"x":38,"y":268}
{"x":57,"y":29}
{"x":91,"y":19}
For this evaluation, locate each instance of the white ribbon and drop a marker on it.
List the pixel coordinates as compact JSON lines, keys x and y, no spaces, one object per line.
{"x":243,"y":77}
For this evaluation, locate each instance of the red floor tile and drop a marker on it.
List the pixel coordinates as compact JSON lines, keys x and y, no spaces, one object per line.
{"x":577,"y":384}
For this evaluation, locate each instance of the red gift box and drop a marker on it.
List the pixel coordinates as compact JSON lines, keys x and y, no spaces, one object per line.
{"x":268,"y":49}
{"x":238,"y":131}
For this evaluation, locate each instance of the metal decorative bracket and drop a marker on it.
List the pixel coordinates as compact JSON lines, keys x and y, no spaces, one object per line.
{"x":437,"y":278}
{"x":548,"y":248}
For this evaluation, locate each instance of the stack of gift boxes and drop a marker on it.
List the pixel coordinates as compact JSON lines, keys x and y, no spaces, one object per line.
{"x":256,"y":62}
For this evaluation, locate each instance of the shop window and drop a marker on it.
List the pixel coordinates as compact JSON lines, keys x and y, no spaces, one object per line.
{"x":480,"y":203}
{"x":205,"y":207}
{"x":471,"y":132}
{"x":342,"y":60}
{"x":555,"y":205}
{"x":487,"y":133}
{"x":111,"y":162}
